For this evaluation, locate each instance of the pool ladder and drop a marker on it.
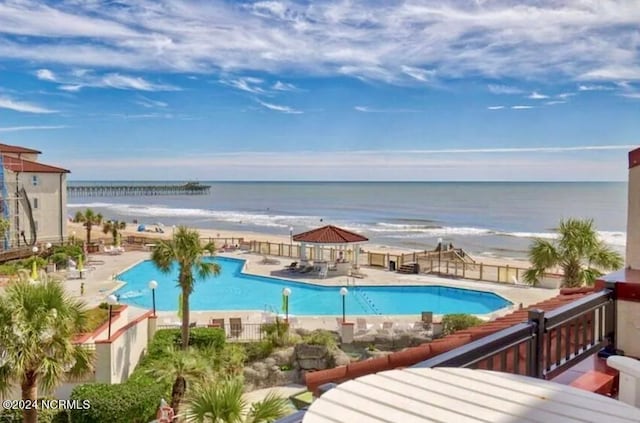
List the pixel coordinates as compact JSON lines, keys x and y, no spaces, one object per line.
{"x":365,"y":302}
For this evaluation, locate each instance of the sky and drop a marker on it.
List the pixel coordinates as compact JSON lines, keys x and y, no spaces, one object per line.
{"x":323,"y":90}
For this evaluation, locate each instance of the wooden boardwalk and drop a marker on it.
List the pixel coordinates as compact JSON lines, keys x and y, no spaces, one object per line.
{"x":118,"y":190}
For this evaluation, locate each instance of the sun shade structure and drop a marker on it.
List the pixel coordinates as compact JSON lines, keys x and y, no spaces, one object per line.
{"x":332,"y":236}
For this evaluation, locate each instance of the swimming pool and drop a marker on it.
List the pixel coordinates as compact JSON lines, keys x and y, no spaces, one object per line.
{"x":233,"y":290}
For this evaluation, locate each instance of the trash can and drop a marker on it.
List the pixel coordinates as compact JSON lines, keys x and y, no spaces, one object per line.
{"x":392,"y":265}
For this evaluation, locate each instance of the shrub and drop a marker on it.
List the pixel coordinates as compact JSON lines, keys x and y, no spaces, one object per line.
{"x":201,"y":338}
{"x":96,"y":317}
{"x":231,"y":360}
{"x":276,"y":333}
{"x":258,"y":350}
{"x":454,"y":322}
{"x":320,"y":337}
{"x":122,"y":403}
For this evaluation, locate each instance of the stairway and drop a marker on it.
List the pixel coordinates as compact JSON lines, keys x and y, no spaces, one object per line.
{"x":409,"y":268}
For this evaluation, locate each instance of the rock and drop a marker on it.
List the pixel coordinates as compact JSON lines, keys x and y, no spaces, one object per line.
{"x":312,"y":357}
{"x":283,"y":357}
{"x":270,"y":362}
{"x":340,"y":358}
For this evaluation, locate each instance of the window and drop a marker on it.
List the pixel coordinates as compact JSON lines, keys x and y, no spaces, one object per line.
{"x":35,"y":203}
{"x":35,"y":180}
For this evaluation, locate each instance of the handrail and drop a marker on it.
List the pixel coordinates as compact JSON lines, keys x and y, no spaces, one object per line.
{"x":568,"y":312}
{"x":554,"y":342}
{"x":481,"y":349}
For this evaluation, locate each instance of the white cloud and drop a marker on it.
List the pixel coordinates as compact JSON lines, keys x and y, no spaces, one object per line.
{"x":45,"y":75}
{"x":279,"y":108}
{"x":504,"y":89}
{"x":580,"y":39}
{"x":594,"y":88}
{"x":31,"y":128}
{"x":81,"y":78}
{"x":247,"y":84}
{"x":520,"y":107}
{"x":365,"y":109}
{"x":21,"y":106}
{"x":537,"y":96}
{"x":554,"y":102}
{"x":495,"y":107}
{"x":284,"y":86}
{"x":150,"y":104}
{"x":565,"y":96}
{"x":421,"y":75}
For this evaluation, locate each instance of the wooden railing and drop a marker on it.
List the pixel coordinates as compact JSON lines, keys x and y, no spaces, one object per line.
{"x":545,"y":345}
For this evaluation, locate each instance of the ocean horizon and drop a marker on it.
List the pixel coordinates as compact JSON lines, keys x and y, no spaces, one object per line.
{"x":490,"y":218}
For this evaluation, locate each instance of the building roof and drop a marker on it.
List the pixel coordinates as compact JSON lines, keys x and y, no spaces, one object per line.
{"x":634,"y":158}
{"x":6,"y":148}
{"x":15,"y":164}
{"x":414,"y":355}
{"x":329,"y":235}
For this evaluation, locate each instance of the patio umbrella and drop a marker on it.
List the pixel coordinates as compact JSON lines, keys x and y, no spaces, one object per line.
{"x":80,"y":264}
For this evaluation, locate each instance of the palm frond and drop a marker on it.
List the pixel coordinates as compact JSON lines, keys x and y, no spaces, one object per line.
{"x":271,"y":408}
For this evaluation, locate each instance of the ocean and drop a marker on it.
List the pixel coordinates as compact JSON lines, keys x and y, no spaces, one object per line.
{"x":497,"y":219}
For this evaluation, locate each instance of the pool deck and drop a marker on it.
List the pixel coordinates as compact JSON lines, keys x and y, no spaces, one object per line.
{"x":99,"y":282}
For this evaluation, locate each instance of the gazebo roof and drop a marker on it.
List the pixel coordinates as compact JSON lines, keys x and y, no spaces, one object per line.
{"x":329,"y":235}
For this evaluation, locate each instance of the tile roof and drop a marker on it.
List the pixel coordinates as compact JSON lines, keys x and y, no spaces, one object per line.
{"x":21,"y":165}
{"x":414,"y":355}
{"x":6,"y":148}
{"x":329,"y":235}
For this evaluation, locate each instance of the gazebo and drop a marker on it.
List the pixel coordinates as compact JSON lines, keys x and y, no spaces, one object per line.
{"x":340,"y":239}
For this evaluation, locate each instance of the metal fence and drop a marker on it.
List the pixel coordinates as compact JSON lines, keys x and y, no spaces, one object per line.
{"x":544,"y":346}
{"x":235,"y":332}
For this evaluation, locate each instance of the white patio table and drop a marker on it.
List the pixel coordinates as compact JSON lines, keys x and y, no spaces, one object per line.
{"x":460,"y":395}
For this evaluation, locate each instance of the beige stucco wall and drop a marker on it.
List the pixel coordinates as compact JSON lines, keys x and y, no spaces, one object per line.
{"x":116,"y":360}
{"x":633,"y":219}
{"x":51,"y":211}
{"x":628,"y":327}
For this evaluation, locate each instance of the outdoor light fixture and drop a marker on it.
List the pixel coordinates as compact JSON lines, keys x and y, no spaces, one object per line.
{"x":111,"y":300}
{"x":35,"y":250}
{"x":286,"y":292}
{"x":152,"y":286}
{"x":343,"y":293}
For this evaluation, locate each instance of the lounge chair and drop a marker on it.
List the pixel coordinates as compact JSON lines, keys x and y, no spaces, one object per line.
{"x":193,"y":324}
{"x":292,"y":267}
{"x":235,"y":324}
{"x":306,"y":269}
{"x":362,"y":325}
{"x":427,"y":320}
{"x":388,"y":325}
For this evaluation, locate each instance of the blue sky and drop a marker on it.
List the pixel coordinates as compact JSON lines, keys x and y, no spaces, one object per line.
{"x":326,"y":90}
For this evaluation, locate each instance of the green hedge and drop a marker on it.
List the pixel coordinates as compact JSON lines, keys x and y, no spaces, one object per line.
{"x":119,"y":403}
{"x":454,"y":322}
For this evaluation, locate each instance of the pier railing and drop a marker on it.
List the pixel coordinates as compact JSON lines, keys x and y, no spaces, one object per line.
{"x":118,"y":190}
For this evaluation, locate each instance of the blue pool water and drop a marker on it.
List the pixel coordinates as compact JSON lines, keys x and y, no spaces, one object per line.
{"x":233,"y":290}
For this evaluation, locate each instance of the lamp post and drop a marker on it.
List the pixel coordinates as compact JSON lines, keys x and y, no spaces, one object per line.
{"x":439,"y":255}
{"x":152,"y":286}
{"x":290,"y":241}
{"x":286,"y":292}
{"x":343,"y":293}
{"x":111,"y":300}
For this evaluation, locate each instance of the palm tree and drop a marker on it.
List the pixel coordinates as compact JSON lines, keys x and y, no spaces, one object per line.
{"x":185,"y":250}
{"x":223,"y":403}
{"x":114,"y":227}
{"x":178,"y":368}
{"x":577,"y":250}
{"x":89,"y":218}
{"x":37,"y":325}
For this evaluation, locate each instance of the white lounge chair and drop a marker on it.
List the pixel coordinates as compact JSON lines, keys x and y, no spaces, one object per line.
{"x":362,"y":325}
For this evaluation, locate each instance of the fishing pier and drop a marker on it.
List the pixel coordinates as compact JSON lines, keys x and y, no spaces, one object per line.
{"x":121,"y":190}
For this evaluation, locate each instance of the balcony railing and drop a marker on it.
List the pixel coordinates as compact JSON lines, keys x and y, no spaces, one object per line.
{"x":545,"y":345}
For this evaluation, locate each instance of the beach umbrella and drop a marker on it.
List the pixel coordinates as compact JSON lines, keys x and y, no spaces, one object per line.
{"x":180,"y":305}
{"x":80,"y":264}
